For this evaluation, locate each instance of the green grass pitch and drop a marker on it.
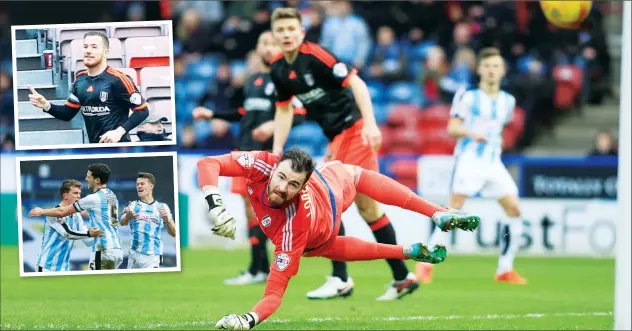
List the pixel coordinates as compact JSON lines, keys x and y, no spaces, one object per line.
{"x":563,"y":293}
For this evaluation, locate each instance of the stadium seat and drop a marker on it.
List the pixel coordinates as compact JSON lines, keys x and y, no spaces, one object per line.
{"x":403,"y":115}
{"x":238,"y":68}
{"x":436,"y":141}
{"x":405,"y":92}
{"x":403,"y":141}
{"x":67,"y":34}
{"x":195,"y":89}
{"x":435,"y":116}
{"x":568,"y":85}
{"x":132,"y":73}
{"x":155,"y":82}
{"x":377,"y":91}
{"x":115,"y":56}
{"x":380,"y":111}
{"x":518,"y":121}
{"x":143,"y":52}
{"x":203,"y":69}
{"x":405,"y":172}
{"x":162,"y":107}
{"x":146,"y":30}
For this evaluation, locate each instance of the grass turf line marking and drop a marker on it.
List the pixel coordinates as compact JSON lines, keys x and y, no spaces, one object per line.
{"x":312,"y":320}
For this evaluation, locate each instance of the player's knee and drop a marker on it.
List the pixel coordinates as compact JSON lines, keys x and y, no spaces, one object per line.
{"x":368,"y":208}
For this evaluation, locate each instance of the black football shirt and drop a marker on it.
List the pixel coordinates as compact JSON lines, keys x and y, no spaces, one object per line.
{"x":105,"y":101}
{"x":319,"y":80}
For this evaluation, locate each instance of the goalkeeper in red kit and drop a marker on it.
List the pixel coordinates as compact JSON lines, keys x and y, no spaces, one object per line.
{"x":299,"y":208}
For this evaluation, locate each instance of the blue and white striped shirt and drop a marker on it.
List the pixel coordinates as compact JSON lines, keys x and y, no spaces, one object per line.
{"x":102,"y":207}
{"x":58,"y":240}
{"x":485,"y":115}
{"x":147,"y":227}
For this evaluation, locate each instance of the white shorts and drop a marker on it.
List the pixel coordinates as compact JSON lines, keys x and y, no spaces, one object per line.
{"x":138,"y":260}
{"x":472,"y":176}
{"x":106,"y":260}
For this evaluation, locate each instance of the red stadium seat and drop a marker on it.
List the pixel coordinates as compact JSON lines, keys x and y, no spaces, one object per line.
{"x":143,"y":52}
{"x":403,"y":115}
{"x":148,"y":29}
{"x":568,"y":86}
{"x":155,"y":82}
{"x":405,"y":172}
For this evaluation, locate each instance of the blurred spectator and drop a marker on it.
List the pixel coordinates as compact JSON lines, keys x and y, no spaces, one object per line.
{"x":346,"y":35}
{"x":153,"y":129}
{"x":388,"y":59}
{"x":211,"y":12}
{"x":605,"y":145}
{"x":8,"y":142}
{"x":194,"y":36}
{"x":461,"y":73}
{"x":436,"y":67}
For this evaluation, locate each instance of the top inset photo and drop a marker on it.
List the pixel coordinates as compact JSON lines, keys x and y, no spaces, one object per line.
{"x":93,"y":85}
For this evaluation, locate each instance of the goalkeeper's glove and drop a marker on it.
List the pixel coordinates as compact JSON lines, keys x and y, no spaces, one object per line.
{"x":238,"y":322}
{"x":223,"y":222}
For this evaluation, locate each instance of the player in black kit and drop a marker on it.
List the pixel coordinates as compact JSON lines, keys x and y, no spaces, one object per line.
{"x":103,"y":94}
{"x":339,"y":101}
{"x":256,"y":121}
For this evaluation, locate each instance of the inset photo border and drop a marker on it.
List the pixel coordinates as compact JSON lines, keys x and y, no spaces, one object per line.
{"x":98,"y":214}
{"x":93,"y":85}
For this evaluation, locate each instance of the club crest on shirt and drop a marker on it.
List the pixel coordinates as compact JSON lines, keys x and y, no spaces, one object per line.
{"x":309,"y":79}
{"x":246,"y":160}
{"x":340,"y":70}
{"x":249,"y":190}
{"x":266,"y":221}
{"x":282,"y":261}
{"x":103,"y":96}
{"x":269,"y":88}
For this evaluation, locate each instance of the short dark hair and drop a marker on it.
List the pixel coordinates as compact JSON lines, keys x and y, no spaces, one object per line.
{"x":301,"y":162}
{"x":147,"y":176}
{"x":106,"y":41}
{"x":67,"y":185}
{"x":487,"y":52}
{"x":100,"y":171}
{"x":283,"y":13}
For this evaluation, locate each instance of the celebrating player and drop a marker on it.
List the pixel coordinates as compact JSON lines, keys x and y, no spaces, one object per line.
{"x":146,"y":218}
{"x":319,"y":80}
{"x":478,"y":119}
{"x":102,"y":208}
{"x":103,"y":94}
{"x":60,"y":233}
{"x":256,"y":127}
{"x":301,"y":214}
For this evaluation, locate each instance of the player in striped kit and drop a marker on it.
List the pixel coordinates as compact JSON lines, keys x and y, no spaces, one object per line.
{"x":60,"y":233}
{"x":102,"y":208}
{"x":146,"y":218}
{"x":478,"y":119}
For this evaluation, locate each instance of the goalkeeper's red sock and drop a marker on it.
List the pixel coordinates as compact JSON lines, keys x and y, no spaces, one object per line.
{"x":386,"y":190}
{"x":354,"y":249}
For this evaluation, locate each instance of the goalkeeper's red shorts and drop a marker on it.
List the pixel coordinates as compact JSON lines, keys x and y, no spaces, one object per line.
{"x":347,"y":148}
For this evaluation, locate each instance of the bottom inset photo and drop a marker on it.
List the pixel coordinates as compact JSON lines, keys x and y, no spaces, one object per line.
{"x":98,"y":213}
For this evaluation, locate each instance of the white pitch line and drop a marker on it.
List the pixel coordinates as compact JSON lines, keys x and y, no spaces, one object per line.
{"x":151,"y":326}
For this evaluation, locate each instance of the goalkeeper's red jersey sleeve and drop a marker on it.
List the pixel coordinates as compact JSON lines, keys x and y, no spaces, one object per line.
{"x":254,"y":165}
{"x":290,"y":241}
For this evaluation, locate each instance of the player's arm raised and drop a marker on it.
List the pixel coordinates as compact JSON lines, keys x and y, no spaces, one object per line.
{"x":65,"y":112}
{"x":461,"y":105}
{"x":128,"y":94}
{"x":58,"y":212}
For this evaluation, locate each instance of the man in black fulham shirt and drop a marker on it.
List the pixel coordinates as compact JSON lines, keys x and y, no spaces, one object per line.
{"x":256,"y":125}
{"x":339,"y":101}
{"x":103,"y":94}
